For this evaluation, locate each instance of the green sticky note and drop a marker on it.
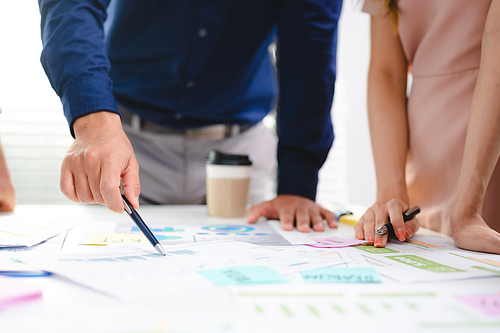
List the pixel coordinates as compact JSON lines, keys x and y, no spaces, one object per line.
{"x":375,"y":250}
{"x":341,"y":275}
{"x":425,"y":264}
{"x":243,"y":275}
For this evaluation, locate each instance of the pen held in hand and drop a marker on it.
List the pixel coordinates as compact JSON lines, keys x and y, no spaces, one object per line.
{"x":407,"y":216}
{"x":142,"y":226}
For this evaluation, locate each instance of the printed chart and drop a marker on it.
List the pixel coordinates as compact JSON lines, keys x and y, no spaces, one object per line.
{"x":418,"y":311}
{"x":425,"y":260}
{"x":260,"y":234}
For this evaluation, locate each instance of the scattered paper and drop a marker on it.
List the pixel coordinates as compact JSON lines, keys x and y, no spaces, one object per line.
{"x":111,"y":238}
{"x":428,"y":259}
{"x":16,"y":231}
{"x":13,"y":290}
{"x":334,"y":242}
{"x":243,"y":275}
{"x":295,"y":237}
{"x":486,"y":303}
{"x":173,"y":234}
{"x":349,"y":275}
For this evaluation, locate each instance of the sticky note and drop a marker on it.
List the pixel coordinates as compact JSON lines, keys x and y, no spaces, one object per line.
{"x":243,"y":275}
{"x":335,"y":242}
{"x":486,"y":303}
{"x":341,"y":275}
{"x":349,"y":219}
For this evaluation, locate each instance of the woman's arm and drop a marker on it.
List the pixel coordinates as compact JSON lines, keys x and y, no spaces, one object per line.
{"x":387,"y":79}
{"x":482,"y":147}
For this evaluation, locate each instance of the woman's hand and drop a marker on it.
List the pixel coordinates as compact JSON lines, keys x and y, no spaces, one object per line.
{"x":472,"y":233}
{"x":378,"y":215}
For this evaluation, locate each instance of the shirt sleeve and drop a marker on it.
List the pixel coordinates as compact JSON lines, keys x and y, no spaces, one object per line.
{"x":307,"y":39}
{"x":74,"y":55}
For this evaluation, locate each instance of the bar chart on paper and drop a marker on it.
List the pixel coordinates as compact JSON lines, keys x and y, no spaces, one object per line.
{"x":260,"y":234}
{"x":427,"y":260}
{"x":424,"y":311}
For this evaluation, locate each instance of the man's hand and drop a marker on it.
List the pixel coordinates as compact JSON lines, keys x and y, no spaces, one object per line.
{"x":95,"y":162}
{"x":472,"y":233}
{"x":292,"y":208}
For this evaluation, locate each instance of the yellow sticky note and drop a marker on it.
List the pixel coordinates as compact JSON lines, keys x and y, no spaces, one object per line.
{"x":349,"y":219}
{"x":106,"y":238}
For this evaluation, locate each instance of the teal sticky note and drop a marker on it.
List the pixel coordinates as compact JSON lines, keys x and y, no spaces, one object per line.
{"x":243,"y":275}
{"x":341,"y":275}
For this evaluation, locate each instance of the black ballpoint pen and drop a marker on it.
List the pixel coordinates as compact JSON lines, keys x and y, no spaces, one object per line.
{"x":407,"y":216}
{"x":142,"y":226}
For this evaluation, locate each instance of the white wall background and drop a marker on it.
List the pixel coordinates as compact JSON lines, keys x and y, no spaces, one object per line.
{"x":35,"y":135}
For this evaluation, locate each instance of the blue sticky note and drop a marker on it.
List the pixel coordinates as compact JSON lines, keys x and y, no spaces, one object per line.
{"x":243,"y":275}
{"x":341,"y":275}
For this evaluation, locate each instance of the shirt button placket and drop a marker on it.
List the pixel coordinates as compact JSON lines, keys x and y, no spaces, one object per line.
{"x":190,"y":84}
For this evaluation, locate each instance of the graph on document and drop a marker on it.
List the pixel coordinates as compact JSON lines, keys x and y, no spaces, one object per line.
{"x":417,"y":311}
{"x":145,"y":274}
{"x":423,"y":259}
{"x":261,"y":234}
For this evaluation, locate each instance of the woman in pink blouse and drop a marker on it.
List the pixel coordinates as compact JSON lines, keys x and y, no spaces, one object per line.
{"x":451,"y":48}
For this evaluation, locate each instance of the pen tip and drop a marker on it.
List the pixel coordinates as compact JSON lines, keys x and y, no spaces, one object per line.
{"x":160,"y":249}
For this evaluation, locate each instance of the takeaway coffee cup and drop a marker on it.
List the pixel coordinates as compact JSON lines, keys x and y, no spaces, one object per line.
{"x":228,"y":183}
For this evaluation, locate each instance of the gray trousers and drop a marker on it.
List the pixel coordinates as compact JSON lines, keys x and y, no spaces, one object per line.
{"x":172,"y":167}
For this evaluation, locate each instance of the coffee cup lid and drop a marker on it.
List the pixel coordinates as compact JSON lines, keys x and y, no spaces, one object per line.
{"x":217,"y":157}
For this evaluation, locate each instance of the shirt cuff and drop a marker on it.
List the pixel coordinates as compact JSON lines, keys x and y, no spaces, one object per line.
{"x":87,"y":96}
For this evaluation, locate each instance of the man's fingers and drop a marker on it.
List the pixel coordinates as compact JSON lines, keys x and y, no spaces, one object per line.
{"x":265,"y":209}
{"x":316,"y":220}
{"x":303,"y":220}
{"x":329,"y":217}
{"x":286,"y":216}
{"x":131,"y":183}
{"x":110,"y":186}
{"x":254,"y":213}
{"x":93,"y":170}
{"x":67,"y":184}
{"x":83,"y":189}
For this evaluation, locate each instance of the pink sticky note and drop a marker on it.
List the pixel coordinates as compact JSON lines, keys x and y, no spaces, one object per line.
{"x":335,"y":242}
{"x":13,"y":290}
{"x":486,"y":303}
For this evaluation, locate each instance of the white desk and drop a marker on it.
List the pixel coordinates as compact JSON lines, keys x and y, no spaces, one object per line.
{"x":68,"y":307}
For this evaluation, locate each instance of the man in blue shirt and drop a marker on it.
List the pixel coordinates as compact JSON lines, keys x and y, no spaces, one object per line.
{"x":175,"y":69}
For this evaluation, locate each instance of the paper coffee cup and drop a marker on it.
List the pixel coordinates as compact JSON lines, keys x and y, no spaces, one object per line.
{"x":228,"y":184}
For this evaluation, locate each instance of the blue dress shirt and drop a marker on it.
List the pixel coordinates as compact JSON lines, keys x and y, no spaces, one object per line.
{"x":191,"y":63}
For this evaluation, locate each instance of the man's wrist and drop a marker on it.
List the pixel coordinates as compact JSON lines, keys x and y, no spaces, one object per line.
{"x":96,"y":120}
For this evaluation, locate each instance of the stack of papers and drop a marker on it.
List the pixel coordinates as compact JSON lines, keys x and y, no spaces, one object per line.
{"x":27,"y":232}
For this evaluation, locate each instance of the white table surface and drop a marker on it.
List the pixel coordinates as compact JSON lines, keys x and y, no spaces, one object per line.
{"x":69,"y":307}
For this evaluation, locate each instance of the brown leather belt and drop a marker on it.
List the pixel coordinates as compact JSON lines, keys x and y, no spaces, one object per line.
{"x":218,"y":131}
